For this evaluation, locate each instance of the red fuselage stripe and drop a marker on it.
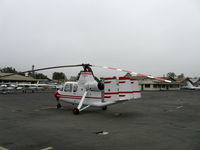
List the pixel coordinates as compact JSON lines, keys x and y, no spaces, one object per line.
{"x":107,"y":96}
{"x":109,"y":79}
{"x":107,"y":82}
{"x":122,"y":95}
{"x":122,"y":92}
{"x":77,"y":97}
{"x":111,"y":93}
{"x":122,"y":81}
{"x":129,"y":92}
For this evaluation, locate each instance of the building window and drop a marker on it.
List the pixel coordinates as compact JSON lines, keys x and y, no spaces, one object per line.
{"x":75,"y":88}
{"x":147,"y":85}
{"x":163,"y":86}
{"x":174,"y":86}
{"x":155,"y":86}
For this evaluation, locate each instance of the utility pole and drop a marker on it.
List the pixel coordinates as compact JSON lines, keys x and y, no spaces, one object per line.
{"x":33,"y":72}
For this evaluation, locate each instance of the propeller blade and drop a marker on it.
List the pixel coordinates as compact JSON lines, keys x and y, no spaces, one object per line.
{"x":135,"y":73}
{"x":48,"y":68}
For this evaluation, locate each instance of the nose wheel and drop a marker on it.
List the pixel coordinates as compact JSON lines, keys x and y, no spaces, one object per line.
{"x":58,"y":106}
{"x":75,"y":111}
{"x":104,"y":108}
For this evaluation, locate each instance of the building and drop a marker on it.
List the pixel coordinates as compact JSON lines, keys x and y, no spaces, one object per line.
{"x":15,"y":78}
{"x":196,"y":82}
{"x":183,"y":82}
{"x":148,"y":84}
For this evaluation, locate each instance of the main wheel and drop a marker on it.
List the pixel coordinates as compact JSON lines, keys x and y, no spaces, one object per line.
{"x":104,"y":108}
{"x":75,"y":111}
{"x":59,"y":106}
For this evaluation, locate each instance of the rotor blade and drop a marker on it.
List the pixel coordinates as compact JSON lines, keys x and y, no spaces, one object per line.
{"x":55,"y":67}
{"x":48,"y":68}
{"x":131,"y":72}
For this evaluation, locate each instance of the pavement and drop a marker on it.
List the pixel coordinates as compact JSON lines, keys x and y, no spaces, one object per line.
{"x":165,"y":120}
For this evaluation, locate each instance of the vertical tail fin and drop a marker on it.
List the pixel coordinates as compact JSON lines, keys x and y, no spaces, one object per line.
{"x":136,"y":89}
{"x":125,"y":88}
{"x":110,"y":89}
{"x":121,"y":89}
{"x":128,"y":88}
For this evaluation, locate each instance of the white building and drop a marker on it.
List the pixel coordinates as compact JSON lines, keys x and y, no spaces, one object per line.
{"x":148,"y":84}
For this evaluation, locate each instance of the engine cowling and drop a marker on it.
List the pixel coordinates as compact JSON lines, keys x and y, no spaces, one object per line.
{"x":94,"y":86}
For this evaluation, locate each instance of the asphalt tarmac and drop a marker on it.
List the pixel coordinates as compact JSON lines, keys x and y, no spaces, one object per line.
{"x":166,"y":120}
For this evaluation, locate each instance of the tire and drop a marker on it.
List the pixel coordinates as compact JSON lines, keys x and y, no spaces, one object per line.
{"x":75,"y":111}
{"x":104,"y":108}
{"x":59,"y":106}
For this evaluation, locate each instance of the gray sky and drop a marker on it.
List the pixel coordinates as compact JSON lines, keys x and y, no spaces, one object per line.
{"x":146,"y":36}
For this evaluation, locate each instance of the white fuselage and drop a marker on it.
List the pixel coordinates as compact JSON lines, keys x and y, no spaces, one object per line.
{"x":72,"y":93}
{"x":86,"y":91}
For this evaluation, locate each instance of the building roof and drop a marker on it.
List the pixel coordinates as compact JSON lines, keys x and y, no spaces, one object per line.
{"x":147,"y":80}
{"x":180,"y":80}
{"x":194,"y":80}
{"x":16,"y":77}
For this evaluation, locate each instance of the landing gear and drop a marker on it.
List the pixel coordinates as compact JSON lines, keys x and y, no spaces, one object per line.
{"x":104,"y":108}
{"x":59,"y":106}
{"x":78,"y":109}
{"x":75,"y":111}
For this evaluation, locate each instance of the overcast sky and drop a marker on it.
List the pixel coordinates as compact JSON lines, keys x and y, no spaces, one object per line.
{"x":153,"y":37}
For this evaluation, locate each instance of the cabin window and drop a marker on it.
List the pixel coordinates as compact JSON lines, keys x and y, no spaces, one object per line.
{"x":61,"y":88}
{"x":68,"y":88}
{"x":75,"y":88}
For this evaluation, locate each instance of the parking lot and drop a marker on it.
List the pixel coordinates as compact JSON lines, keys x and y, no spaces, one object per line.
{"x":158,"y":121}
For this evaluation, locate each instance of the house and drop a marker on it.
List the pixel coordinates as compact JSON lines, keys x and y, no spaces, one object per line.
{"x":148,"y":84}
{"x":183,"y":82}
{"x":197,"y":82}
{"x":15,"y":78}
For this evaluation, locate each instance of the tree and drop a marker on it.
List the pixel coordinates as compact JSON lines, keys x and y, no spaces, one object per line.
{"x":59,"y":76}
{"x":21,"y":73}
{"x":11,"y":70}
{"x":171,"y":74}
{"x":181,"y":75}
{"x":40,"y":76}
{"x":8,"y":70}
